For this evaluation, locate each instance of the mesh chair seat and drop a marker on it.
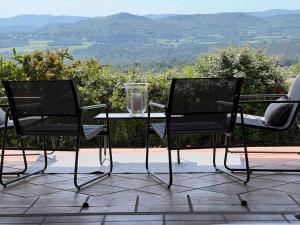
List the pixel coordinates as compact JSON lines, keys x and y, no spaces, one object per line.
{"x":90,"y":131}
{"x":47,"y":127}
{"x":189,"y":128}
{"x":10,"y":123}
{"x":37,"y":125}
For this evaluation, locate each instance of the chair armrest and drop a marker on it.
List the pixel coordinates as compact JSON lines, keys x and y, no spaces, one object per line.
{"x":29,"y":105}
{"x":93,"y":107}
{"x":261,"y":96}
{"x":157,"y":105}
{"x":99,"y":106}
{"x":225,"y":103}
{"x":267,"y":101}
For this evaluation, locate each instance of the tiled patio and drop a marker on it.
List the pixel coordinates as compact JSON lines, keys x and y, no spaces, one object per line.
{"x":195,"y":198}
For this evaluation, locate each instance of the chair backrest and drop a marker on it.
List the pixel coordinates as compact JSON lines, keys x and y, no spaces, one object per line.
{"x":46,"y":102}
{"x":293,"y":95}
{"x":203,"y":104}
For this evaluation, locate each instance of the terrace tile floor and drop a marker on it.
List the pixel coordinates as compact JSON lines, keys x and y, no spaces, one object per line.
{"x":129,"y":199}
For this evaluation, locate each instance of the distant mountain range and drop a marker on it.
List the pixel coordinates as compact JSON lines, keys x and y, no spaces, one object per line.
{"x":159,"y":16}
{"x":24,"y":22}
{"x":275,"y":12}
{"x":42,"y":20}
{"x":125,"y":39}
{"x":38,"y":20}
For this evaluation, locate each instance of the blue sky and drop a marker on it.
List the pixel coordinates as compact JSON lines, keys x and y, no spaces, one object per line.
{"x":140,"y":7}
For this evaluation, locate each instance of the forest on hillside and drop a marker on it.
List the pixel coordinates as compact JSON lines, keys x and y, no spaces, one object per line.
{"x":153,"y":42}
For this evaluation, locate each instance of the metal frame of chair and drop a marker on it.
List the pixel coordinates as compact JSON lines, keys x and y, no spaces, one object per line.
{"x":249,"y":123}
{"x":10,"y":125}
{"x":76,"y":132}
{"x":168,"y":133}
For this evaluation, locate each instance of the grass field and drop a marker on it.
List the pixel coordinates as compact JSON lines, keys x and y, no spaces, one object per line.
{"x":43,"y":45}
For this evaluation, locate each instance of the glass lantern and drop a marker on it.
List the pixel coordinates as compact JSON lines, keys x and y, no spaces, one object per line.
{"x":136,"y":98}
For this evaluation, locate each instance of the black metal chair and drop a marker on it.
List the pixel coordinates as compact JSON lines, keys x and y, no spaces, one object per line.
{"x":197,"y":106}
{"x":10,"y":125}
{"x":259,"y":122}
{"x":47,"y":109}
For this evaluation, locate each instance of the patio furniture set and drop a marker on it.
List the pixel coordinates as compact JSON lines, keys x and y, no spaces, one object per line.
{"x":196,"y":106}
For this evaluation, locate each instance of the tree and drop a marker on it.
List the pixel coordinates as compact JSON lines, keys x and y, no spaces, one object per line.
{"x":262,"y":73}
{"x":296,"y":67}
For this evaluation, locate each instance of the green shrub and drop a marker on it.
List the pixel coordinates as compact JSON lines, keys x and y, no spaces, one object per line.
{"x":104,"y":83}
{"x":296,"y":67}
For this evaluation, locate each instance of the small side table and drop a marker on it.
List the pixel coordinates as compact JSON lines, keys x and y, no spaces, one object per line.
{"x":123,"y":116}
{"x":126,"y":116}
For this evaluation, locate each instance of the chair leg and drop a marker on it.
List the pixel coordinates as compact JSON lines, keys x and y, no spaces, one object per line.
{"x":178,"y":149}
{"x":77,"y":185}
{"x":2,"y":158}
{"x":169,"y":184}
{"x":45,"y":154}
{"x":100,"y":150}
{"x":25,"y":161}
{"x":147,"y":151}
{"x":178,"y":156}
{"x":18,"y":173}
{"x":110,"y":154}
{"x":214,"y":151}
{"x":251,"y":170}
{"x":247,"y":170}
{"x":226,"y":154}
{"x":170,"y":168}
{"x":105,"y":145}
{"x":225,"y":159}
{"x":76,"y":169}
{"x":106,"y":141}
{"x":232,"y":170}
{"x":246,"y":155}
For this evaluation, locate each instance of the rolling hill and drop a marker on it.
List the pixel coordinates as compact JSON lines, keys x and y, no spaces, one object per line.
{"x":124,"y":39}
{"x":37,"y":20}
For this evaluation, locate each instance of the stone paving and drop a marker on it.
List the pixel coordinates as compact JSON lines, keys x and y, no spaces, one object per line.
{"x":138,"y":199}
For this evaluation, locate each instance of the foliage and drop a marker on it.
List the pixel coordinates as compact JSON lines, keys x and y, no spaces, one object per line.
{"x":43,"y":66}
{"x":97,"y":82}
{"x":296,"y":67}
{"x":262,"y":73}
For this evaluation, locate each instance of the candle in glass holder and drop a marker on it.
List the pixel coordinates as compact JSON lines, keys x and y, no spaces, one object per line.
{"x":136,"y":103}
{"x":136,"y":98}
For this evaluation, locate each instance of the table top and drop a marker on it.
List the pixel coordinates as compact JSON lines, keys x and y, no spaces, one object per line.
{"x":128,"y":116}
